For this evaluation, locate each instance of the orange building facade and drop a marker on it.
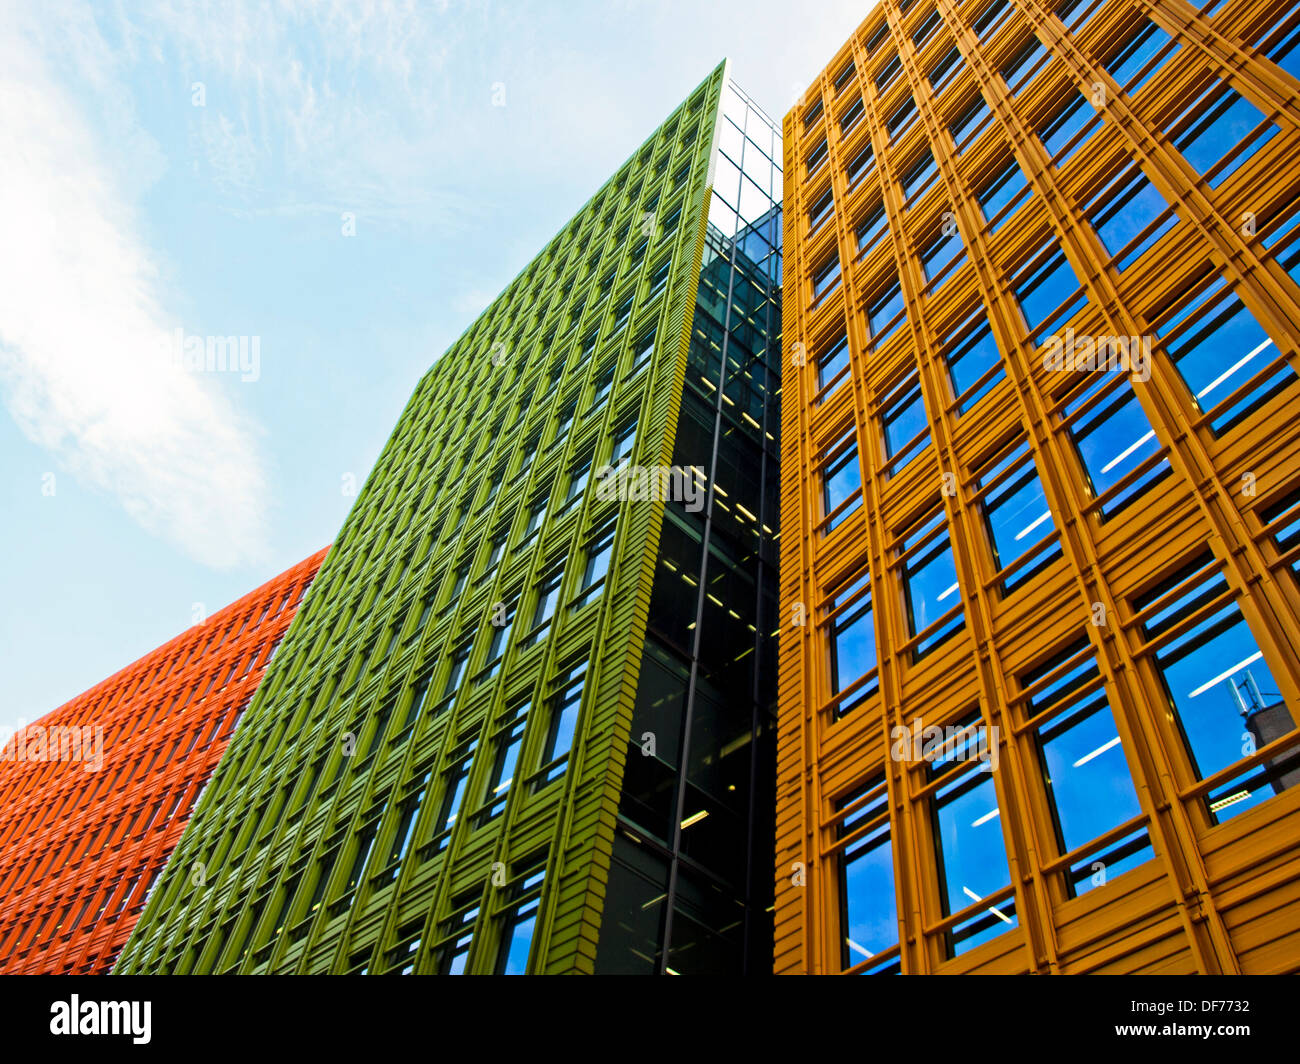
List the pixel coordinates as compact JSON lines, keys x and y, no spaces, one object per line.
{"x":95,"y":795}
{"x":1040,"y":643}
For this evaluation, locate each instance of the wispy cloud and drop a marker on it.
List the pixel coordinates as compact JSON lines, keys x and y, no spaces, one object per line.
{"x":80,"y":318}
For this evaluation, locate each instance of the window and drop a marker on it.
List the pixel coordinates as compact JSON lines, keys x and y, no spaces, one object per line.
{"x":1016,"y":514}
{"x":1084,"y":772}
{"x":1064,"y":125}
{"x":1047,"y":288}
{"x":971,"y":858}
{"x":885,"y":312}
{"x":1074,"y":9}
{"x":816,"y":157}
{"x":826,"y":277}
{"x":365,"y":844}
{"x":841,"y":479}
{"x":1128,"y":61}
{"x":946,"y":69}
{"x":1219,"y":687}
{"x":454,"y":778}
{"x":852,"y":637}
{"x":868,"y":913}
{"x":900,"y":118}
{"x":536,"y":515}
{"x":968,"y":121}
{"x":498,"y":639}
{"x":404,"y":832}
{"x":548,"y":593}
{"x":643,"y":349}
{"x":918,"y":176}
{"x":998,"y":195}
{"x":873,"y":227}
{"x":860,"y":165}
{"x":624,"y":442}
{"x":821,"y":209}
{"x":1217,"y":345}
{"x":928,"y":25}
{"x":877,"y":37}
{"x":813,"y":113}
{"x":562,"y":721}
{"x":833,"y":361}
{"x":506,"y":745}
{"x":844,"y":77}
{"x":906,"y":428}
{"x":930,"y":584}
{"x":578,"y":476}
{"x":598,"y":552}
{"x":852,"y":116}
{"x":973,"y":360}
{"x":1113,"y":437}
{"x":459,"y":657}
{"x":457,"y":933}
{"x":604,"y":381}
{"x":1219,"y":132}
{"x":1023,"y":65}
{"x":518,"y":923}
{"x":887,"y":73}
{"x":941,"y":256}
{"x":991,"y":18}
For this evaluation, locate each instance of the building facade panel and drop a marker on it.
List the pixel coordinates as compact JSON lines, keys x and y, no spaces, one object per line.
{"x":1038,"y":486}
{"x":97,"y":793}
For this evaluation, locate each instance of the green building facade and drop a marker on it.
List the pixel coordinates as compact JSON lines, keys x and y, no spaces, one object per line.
{"x":523,"y":721}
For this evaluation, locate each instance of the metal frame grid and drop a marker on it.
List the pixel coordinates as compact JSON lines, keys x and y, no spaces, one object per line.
{"x":398,"y":693}
{"x":688,"y":890}
{"x":1215,"y":897}
{"x":80,"y":848}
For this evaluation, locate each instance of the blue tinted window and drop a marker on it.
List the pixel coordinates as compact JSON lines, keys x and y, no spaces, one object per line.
{"x":872,"y":229}
{"x":1123,"y":209}
{"x":1135,"y":53}
{"x":991,"y":18}
{"x":944,"y":70}
{"x":1286,"y":53}
{"x":868,"y":915}
{"x":1062,"y":127}
{"x":969,"y":120}
{"x":1113,"y":438}
{"x":930,"y":583}
{"x":1021,"y":63}
{"x":1217,"y":345}
{"x":1085,"y":773}
{"x":997,"y":193}
{"x":1221,"y":689}
{"x":1044,"y":287}
{"x":971,"y":353}
{"x":901,"y":117}
{"x":884,"y":312}
{"x":826,"y":277}
{"x":940,"y":253}
{"x":1016,"y":513}
{"x":971,"y":856}
{"x":903,"y":418}
{"x":1221,"y":123}
{"x":919,"y":176}
{"x":853,"y":642}
{"x":841,"y":479}
{"x":833,"y":361}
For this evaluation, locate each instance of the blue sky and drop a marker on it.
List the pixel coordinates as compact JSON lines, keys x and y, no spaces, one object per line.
{"x":194,"y":167}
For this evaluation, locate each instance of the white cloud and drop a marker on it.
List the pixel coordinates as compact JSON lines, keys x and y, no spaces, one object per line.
{"x":79,"y":325}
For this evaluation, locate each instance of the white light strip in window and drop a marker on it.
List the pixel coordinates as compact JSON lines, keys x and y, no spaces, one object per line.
{"x":1231,"y":370}
{"x":1096,"y":753}
{"x":1224,"y":675}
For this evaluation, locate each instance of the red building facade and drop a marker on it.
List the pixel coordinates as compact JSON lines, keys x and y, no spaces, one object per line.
{"x":94,"y":796}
